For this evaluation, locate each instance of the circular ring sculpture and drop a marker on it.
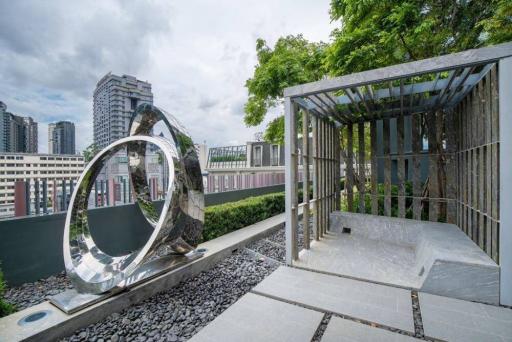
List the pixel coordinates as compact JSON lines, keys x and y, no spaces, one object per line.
{"x":179,"y":225}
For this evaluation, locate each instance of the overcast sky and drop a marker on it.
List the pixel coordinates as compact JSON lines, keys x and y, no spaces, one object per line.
{"x":196,"y":54}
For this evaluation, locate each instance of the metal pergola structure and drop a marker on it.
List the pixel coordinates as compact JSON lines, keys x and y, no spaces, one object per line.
{"x":465,"y":102}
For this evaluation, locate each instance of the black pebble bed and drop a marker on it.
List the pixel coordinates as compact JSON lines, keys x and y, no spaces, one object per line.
{"x":180,"y":312}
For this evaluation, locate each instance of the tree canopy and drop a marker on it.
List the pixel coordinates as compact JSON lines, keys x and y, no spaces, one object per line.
{"x":371,"y":34}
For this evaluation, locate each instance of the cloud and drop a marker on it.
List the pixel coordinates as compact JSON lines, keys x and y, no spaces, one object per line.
{"x":197,"y":56}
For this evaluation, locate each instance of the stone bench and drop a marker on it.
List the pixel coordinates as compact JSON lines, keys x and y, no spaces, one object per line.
{"x":447,"y":262}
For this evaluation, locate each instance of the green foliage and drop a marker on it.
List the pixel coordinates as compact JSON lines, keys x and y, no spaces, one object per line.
{"x":499,"y":27}
{"x":90,"y":152}
{"x":274,"y":133}
{"x":225,"y":218}
{"x":378,"y":33}
{"x":228,"y":158}
{"x":293,"y":61}
{"x":5,"y":308}
{"x":372,"y":34}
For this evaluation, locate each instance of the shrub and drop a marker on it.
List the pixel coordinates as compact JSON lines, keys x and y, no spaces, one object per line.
{"x":5,"y":308}
{"x":225,"y":218}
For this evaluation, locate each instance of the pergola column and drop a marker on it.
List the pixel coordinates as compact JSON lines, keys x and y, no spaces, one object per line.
{"x":505,"y":179}
{"x":305,"y":173}
{"x":291,"y":183}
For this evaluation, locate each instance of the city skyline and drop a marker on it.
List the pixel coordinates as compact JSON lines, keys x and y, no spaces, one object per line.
{"x":197,"y":68}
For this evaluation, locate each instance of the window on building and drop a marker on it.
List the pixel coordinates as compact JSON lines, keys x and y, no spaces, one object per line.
{"x":274,"y":155}
{"x":258,"y":156}
{"x":133,"y":103}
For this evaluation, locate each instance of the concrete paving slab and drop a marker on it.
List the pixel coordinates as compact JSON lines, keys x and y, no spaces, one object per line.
{"x":458,"y":320}
{"x":381,"y":304}
{"x":344,"y":330}
{"x":258,"y":318}
{"x":359,"y":257}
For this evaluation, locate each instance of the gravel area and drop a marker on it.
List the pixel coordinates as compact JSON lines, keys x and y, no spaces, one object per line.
{"x":416,"y":312}
{"x":269,"y":249}
{"x":319,"y":333}
{"x":280,"y":239}
{"x":180,"y":312}
{"x":30,"y":294}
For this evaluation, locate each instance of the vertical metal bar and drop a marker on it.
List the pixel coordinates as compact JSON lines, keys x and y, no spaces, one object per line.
{"x":124,"y":190}
{"x":305,"y":181}
{"x":331,"y":170}
{"x":416,"y":165}
{"x":314,"y":127}
{"x":387,"y":168}
{"x":488,"y":164}
{"x":324,"y":177}
{"x":373,"y":142}
{"x":102,"y":190}
{"x":433,"y":184}
{"x":63,"y":197}
{"x":107,"y":192}
{"x":45,"y":196}
{"x":321,"y":176}
{"x":349,"y":169}
{"x":337,"y":188}
{"x":71,"y":186}
{"x":37,"y":197}
{"x":504,"y":200}
{"x":400,"y":165}
{"x":361,"y":163}
{"x":27,"y":196}
{"x":290,"y":181}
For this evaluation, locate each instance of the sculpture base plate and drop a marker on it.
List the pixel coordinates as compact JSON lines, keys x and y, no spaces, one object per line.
{"x":71,"y":301}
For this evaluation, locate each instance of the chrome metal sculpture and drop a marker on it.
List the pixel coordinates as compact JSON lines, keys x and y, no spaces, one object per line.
{"x":178,"y":227}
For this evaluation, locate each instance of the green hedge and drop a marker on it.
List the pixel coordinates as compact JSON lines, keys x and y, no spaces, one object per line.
{"x":225,"y":218}
{"x":5,"y":308}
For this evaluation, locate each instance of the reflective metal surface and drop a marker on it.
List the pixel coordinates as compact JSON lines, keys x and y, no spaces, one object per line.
{"x":176,"y":230}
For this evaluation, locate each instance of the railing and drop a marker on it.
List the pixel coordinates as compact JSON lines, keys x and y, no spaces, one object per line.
{"x":31,"y":247}
{"x":230,"y":182}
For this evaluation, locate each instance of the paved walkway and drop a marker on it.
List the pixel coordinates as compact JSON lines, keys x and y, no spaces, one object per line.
{"x":289,"y":305}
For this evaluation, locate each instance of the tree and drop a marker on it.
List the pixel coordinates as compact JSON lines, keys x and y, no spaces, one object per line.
{"x":372,"y":34}
{"x":380,"y":33}
{"x":293,"y":61}
{"x":90,"y":152}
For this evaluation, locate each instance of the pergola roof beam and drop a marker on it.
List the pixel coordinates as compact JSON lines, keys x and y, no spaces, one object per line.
{"x":330,"y":98}
{"x":465,"y":90}
{"x":446,"y":89}
{"x":380,"y":94}
{"x":365,"y":104}
{"x":432,"y":65}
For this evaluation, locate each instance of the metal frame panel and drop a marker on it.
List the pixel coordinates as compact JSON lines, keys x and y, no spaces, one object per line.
{"x":431,"y":65}
{"x":505,"y":177}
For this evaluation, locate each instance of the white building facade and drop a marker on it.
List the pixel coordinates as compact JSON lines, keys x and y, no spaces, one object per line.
{"x":31,"y":167}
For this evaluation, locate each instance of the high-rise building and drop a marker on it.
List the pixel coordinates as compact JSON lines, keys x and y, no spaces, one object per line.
{"x":61,"y":138}
{"x":29,"y":135}
{"x":17,"y":133}
{"x":4,"y":128}
{"x":115,"y":99}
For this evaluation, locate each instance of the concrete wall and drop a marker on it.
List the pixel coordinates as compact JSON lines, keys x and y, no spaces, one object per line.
{"x":31,"y":247}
